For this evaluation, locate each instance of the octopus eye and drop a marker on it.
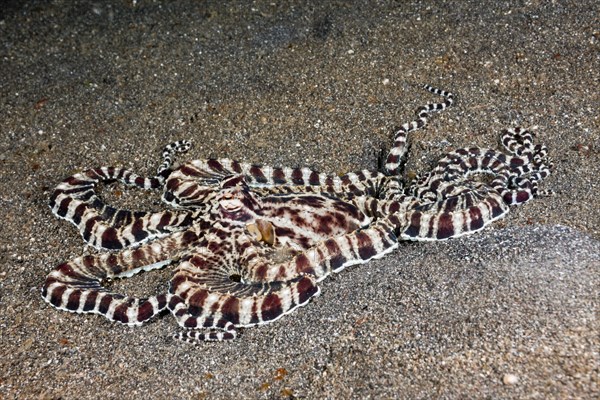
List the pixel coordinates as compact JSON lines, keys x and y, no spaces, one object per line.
{"x":228,"y":196}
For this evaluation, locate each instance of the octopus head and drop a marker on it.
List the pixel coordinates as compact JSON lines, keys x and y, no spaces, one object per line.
{"x":235,"y":200}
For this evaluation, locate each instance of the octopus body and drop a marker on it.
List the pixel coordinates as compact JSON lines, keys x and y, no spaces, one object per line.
{"x":251,"y":243}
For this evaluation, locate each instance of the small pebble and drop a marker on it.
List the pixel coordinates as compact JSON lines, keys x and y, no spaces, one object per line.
{"x":510,"y":379}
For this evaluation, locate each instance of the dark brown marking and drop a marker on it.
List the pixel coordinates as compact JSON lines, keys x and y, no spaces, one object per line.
{"x":314,"y":179}
{"x":306,"y":289}
{"x":508,"y":198}
{"x":261,"y":272}
{"x":78,"y":213}
{"x":112,"y":261}
{"x":216,"y":166}
{"x":297,"y":177}
{"x":64,"y":206}
{"x":522,"y":196}
{"x":189,"y":170}
{"x":254,"y":314}
{"x":188,"y":237}
{"x":230,"y":310}
{"x":75,"y":181}
{"x":304,"y":264}
{"x":450,"y":203}
{"x":56,"y":297}
{"x":278,"y":176}
{"x":139,"y":181}
{"x":336,"y":258}
{"x":394,"y":207}
{"x":257,"y":173}
{"x":105,"y":304}
{"x":173,"y":184}
{"x":187,"y":192}
{"x":110,"y":239}
{"x":139,"y":257}
{"x":271,"y":307}
{"x":415,"y":223}
{"x":145,"y":311}
{"x":165,"y":220}
{"x":90,"y":301}
{"x":120,"y":313}
{"x":174,"y":302}
{"x":445,"y":227}
{"x":138,"y":231}
{"x":198,"y":298}
{"x":365,"y":249}
{"x":476,"y":219}
{"x":496,"y":209}
{"x":324,"y":225}
{"x":191,"y":322}
{"x":393,"y":158}
{"x":516,"y":162}
{"x":74,"y":300}
{"x":236,"y":167}
{"x":332,"y":246}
